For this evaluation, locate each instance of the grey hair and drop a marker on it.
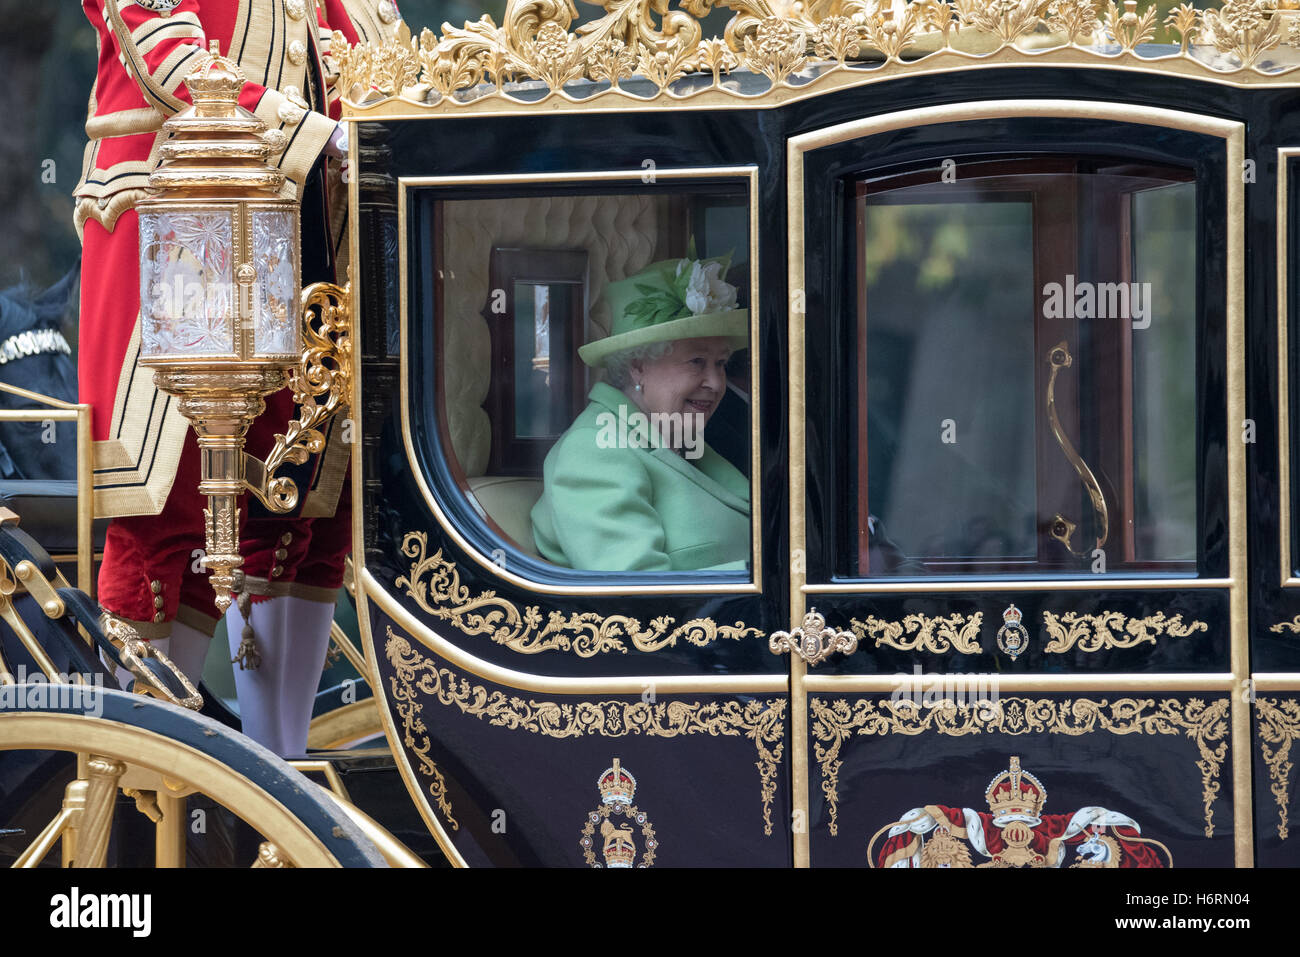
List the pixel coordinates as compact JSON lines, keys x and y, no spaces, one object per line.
{"x":618,"y":366}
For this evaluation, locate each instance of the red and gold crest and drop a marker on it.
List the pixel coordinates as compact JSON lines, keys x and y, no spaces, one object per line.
{"x":1015,"y":833}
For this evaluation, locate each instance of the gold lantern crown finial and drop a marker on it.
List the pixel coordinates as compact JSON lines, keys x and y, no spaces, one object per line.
{"x":217,"y":147}
{"x":217,"y":80}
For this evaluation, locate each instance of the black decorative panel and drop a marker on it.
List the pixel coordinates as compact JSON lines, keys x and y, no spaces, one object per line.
{"x":1104,"y":780}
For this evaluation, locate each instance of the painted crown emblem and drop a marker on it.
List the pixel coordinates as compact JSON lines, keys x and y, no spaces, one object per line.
{"x":616,"y":785}
{"x":1012,"y":615}
{"x":1015,"y":792}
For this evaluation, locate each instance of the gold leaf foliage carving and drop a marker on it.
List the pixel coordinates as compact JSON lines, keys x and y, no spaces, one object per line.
{"x":1111,"y":629}
{"x":838,"y":39}
{"x":611,"y":60}
{"x":1008,"y":20}
{"x":1128,"y":28}
{"x":762,"y":722}
{"x":777,"y":49}
{"x":1185,"y":20}
{"x":434,"y":584}
{"x":923,"y":633}
{"x":538,"y":42}
{"x":1242,"y":28}
{"x":1279,"y":726}
{"x":1206,"y":725}
{"x":891,"y":37}
{"x":1076,"y":19}
{"x":662,"y":63}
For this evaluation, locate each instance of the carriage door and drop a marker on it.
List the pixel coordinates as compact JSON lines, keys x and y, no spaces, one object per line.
{"x":605,"y":698}
{"x":1017,"y":488}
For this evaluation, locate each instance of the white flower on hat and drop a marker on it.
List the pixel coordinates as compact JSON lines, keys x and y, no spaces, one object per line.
{"x":706,"y":292}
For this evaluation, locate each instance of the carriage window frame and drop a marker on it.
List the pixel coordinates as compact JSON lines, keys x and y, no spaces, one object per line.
{"x":1288,"y":365}
{"x":437,"y":472}
{"x":832,"y":158}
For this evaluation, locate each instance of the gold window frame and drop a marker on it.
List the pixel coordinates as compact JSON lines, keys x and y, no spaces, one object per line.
{"x":747,"y":173}
{"x":1286,"y":558}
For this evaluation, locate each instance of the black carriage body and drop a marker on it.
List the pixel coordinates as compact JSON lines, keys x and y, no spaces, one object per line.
{"x":1164,"y":693}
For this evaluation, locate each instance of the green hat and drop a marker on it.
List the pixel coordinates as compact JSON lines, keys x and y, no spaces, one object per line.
{"x":672,"y":299}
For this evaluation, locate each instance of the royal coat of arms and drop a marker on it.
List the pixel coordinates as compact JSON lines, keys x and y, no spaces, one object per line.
{"x":1015,"y":833}
{"x":618,"y":819}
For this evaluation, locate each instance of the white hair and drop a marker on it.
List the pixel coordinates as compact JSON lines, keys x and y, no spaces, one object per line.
{"x":618,"y":366}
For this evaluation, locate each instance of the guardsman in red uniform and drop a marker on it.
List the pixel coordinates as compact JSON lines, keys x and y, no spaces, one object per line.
{"x":146,"y":459}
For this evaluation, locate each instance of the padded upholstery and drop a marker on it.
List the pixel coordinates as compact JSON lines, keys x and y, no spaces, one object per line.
{"x":47,"y":511}
{"x":508,"y":500}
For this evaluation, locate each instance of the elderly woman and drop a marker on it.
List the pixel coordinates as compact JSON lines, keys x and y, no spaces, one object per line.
{"x":631,"y":486}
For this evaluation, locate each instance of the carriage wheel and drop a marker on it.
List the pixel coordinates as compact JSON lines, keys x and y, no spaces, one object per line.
{"x":160,"y":754}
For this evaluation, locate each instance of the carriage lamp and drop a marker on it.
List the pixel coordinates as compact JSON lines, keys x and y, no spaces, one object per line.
{"x":220,"y":279}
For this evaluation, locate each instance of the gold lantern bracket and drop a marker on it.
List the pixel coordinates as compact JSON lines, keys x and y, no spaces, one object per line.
{"x":320,"y":383}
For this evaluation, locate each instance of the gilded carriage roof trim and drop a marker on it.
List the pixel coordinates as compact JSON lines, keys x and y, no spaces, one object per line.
{"x":775,"y":51}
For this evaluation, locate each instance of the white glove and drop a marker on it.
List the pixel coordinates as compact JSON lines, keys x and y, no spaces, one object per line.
{"x":337,"y":147}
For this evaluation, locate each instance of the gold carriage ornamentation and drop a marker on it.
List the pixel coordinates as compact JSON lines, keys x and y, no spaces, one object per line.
{"x":626,"y":56}
{"x":617,"y":844}
{"x":1015,"y":832}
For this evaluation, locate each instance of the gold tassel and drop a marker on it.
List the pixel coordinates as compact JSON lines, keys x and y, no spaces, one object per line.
{"x":248,"y":657}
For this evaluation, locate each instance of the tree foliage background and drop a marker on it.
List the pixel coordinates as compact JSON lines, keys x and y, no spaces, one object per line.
{"x":48,"y":48}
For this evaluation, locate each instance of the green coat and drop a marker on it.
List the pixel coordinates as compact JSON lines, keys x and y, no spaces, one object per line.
{"x":638,"y":509}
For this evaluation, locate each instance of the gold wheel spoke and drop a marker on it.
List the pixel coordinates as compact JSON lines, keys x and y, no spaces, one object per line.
{"x":169,"y":849}
{"x":96,"y":820}
{"x":37,"y":850}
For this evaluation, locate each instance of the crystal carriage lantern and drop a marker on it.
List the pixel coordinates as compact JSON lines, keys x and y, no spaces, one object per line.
{"x":220,"y":280}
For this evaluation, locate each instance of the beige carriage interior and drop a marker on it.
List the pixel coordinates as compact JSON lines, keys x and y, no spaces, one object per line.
{"x":620,"y":234}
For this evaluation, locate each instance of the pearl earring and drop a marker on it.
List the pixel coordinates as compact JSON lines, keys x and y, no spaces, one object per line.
{"x":637,"y":387}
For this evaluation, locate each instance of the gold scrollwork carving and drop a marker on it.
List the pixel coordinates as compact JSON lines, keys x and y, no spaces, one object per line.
{"x":1112,"y":629}
{"x":434,"y":584}
{"x":923,"y":633}
{"x":1279,"y":726}
{"x":535,"y":43}
{"x":762,"y":722}
{"x":320,"y":386}
{"x":1205,"y":724}
{"x":415,"y":735}
{"x":1292,"y":626}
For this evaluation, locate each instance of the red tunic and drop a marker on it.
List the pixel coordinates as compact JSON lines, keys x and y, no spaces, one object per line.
{"x":143,"y":59}
{"x":141,"y":441}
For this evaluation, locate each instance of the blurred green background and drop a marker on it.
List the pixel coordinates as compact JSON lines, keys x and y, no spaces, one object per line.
{"x":49,"y":52}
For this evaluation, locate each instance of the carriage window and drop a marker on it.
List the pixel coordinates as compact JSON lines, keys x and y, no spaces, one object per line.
{"x":536,"y":303}
{"x":589,"y":356}
{"x":1027,"y":346}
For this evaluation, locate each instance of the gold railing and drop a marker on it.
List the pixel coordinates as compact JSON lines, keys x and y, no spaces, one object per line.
{"x":57,"y":410}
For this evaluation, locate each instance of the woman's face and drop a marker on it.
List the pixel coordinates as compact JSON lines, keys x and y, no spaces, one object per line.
{"x":689,"y":379}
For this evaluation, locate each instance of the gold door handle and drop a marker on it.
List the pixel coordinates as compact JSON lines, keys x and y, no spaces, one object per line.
{"x":1062,"y":528}
{"x":814,"y":642}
